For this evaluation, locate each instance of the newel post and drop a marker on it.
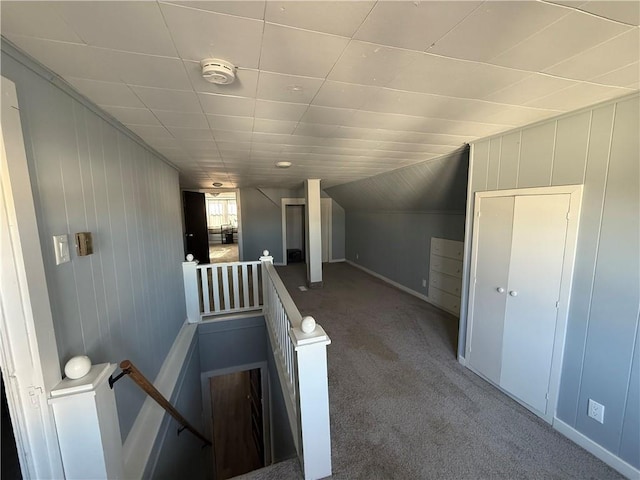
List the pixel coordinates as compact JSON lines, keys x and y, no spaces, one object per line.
{"x":264,"y":259}
{"x":191,"y":294}
{"x":311,"y":342}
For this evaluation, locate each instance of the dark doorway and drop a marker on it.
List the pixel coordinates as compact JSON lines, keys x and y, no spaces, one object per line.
{"x":10,"y":464}
{"x":195,"y":226}
{"x":238,"y":435}
{"x":295,"y":233}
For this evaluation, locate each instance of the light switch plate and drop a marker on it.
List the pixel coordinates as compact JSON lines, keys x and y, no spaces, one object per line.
{"x":61,"y":249}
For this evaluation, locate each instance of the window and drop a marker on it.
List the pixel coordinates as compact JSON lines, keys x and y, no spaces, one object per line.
{"x":222,"y":211}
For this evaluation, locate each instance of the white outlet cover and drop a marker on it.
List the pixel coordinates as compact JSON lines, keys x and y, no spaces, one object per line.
{"x":61,"y":249}
{"x":596,"y":411}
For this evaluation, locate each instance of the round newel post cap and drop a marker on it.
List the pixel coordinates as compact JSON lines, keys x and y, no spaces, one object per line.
{"x":189,"y":258}
{"x":265,"y":253}
{"x":308,"y":324}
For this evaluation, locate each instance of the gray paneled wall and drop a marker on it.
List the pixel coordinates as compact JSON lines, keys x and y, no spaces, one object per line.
{"x":183,"y":456}
{"x":600,"y":149}
{"x":126,"y":300}
{"x":262,"y":222}
{"x":397,"y":245}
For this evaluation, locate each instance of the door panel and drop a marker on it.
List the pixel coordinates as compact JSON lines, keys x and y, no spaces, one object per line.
{"x":195,"y":226}
{"x":492,"y":270}
{"x":537,"y":251}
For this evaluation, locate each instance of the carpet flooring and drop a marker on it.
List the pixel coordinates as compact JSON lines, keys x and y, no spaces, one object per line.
{"x":401,"y":405}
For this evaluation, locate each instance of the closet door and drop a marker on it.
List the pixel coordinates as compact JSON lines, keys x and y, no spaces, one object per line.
{"x":492,"y":272}
{"x":535,"y":272}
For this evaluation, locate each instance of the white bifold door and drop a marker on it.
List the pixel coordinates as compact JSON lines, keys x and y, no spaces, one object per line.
{"x":519,"y":251}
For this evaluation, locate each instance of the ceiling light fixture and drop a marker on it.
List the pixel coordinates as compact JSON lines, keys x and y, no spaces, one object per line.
{"x":217,"y":184}
{"x":218,"y":71}
{"x":283,"y":164}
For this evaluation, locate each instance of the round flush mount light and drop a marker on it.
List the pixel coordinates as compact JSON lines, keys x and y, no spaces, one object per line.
{"x":217,"y":184}
{"x":218,"y":71}
{"x":283,"y":164}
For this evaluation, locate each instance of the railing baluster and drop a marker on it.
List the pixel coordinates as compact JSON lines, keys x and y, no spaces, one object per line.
{"x":216,"y":289}
{"x":225,"y":287}
{"x":245,"y":286}
{"x":256,"y":290}
{"x":204,"y":277}
{"x":236,"y":288}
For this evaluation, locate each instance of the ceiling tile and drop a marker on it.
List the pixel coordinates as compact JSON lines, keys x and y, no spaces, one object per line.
{"x":407,"y":103}
{"x":343,"y":95}
{"x":577,"y":96}
{"x":535,"y":86}
{"x":623,"y":77}
{"x":412,"y":25}
{"x":495,"y":27}
{"x":227,"y":105}
{"x":136,"y":116}
{"x":339,"y":18}
{"x":610,"y":55}
{"x":621,"y":11}
{"x":250,"y":9}
{"x":299,"y":52}
{"x":106,"y":93}
{"x":130,"y":26}
{"x":244,"y":85}
{"x":230,"y":136}
{"x":199,"y":34}
{"x":331,"y":116}
{"x":149,"y":132}
{"x":273,"y":126}
{"x":36,"y":19}
{"x":225,"y":122}
{"x":568,"y":36}
{"x":280,"y":110}
{"x":149,"y":71}
{"x":190,"y":133}
{"x":370,"y":64}
{"x":182,"y":119}
{"x":163,"y":99}
{"x":69,"y":59}
{"x":448,"y":76}
{"x":315,"y":130}
{"x":287,"y":88}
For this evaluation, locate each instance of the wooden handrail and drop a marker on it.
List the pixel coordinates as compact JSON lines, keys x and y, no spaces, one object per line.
{"x":130,"y":369}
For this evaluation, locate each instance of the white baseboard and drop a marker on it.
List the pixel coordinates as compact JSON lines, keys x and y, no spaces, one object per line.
{"x":462,"y":361}
{"x":337,"y":260}
{"x":602,"y":453}
{"x":391,"y":282}
{"x":139,"y":444}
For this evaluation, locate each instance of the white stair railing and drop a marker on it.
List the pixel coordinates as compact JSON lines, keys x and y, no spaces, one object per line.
{"x":300,"y":351}
{"x":220,"y":288}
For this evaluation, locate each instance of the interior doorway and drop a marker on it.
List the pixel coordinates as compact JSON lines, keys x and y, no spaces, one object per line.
{"x":222,"y":226}
{"x":295,"y":233}
{"x":237,"y":423}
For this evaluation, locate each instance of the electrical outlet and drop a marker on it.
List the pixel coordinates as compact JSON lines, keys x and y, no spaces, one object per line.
{"x":596,"y":411}
{"x":424,"y":282}
{"x":357,"y":256}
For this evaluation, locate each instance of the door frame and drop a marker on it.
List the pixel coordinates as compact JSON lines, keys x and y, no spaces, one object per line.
{"x":325,"y":203}
{"x":28,"y":351}
{"x":573,"y":222}
{"x":207,"y":402}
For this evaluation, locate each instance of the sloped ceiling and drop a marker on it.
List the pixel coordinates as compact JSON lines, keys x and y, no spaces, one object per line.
{"x":343,"y":90}
{"x":438,"y":185}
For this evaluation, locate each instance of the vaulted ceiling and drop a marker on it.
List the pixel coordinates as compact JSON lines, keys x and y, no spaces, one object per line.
{"x":343,"y":90}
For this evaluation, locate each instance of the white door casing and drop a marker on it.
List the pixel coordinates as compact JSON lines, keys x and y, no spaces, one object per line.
{"x":529,"y":336}
{"x":326,"y":212}
{"x":28,"y":351}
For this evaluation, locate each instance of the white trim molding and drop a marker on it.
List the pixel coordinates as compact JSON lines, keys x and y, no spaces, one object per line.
{"x":138,"y":447}
{"x":598,"y":451}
